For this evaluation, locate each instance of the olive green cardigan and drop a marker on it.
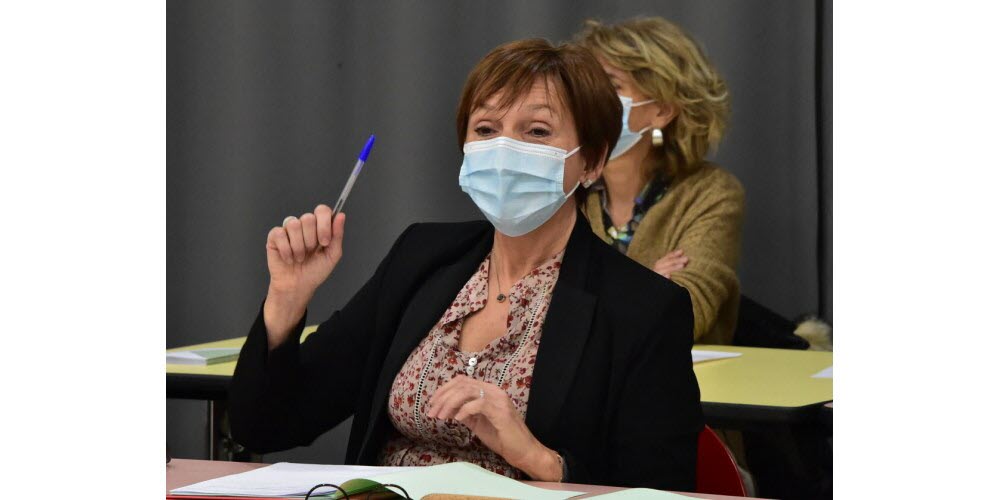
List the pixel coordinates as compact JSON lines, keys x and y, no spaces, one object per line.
{"x":702,"y":214}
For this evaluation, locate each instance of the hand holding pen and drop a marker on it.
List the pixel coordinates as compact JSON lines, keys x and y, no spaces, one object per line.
{"x":301,"y":255}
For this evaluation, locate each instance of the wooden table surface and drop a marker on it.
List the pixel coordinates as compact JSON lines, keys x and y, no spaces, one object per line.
{"x":182,"y":472}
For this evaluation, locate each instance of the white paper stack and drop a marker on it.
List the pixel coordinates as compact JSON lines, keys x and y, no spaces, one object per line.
{"x":283,"y":480}
{"x":288,"y":479}
{"x":698,"y":356}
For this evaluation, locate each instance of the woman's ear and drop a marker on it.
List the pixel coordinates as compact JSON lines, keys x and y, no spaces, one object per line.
{"x":666,"y":114}
{"x":591,"y":176}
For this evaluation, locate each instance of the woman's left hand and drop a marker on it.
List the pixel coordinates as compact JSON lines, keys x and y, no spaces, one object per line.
{"x":670,"y":263}
{"x":489,"y":413}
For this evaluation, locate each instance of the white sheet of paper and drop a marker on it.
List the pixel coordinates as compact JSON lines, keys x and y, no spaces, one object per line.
{"x":824,"y":373}
{"x":181,"y":356}
{"x":284,"y":479}
{"x":697,"y":356}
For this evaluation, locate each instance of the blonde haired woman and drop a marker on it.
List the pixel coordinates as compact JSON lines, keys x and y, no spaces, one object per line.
{"x":659,"y":201}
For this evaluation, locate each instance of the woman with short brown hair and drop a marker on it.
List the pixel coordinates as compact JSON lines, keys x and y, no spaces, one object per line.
{"x":527,"y":347}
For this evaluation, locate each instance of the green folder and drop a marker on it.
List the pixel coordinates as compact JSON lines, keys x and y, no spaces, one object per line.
{"x":463,"y":478}
{"x":206,"y":356}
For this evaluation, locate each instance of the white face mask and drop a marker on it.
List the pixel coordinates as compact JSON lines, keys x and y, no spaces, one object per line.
{"x":628,"y":138}
{"x":517,"y":185}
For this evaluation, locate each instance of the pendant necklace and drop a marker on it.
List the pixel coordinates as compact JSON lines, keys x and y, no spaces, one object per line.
{"x":496,"y":272}
{"x":470,"y":365}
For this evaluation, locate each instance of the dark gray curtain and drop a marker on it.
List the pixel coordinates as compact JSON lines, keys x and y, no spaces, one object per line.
{"x":824,"y":138}
{"x":268,"y":104}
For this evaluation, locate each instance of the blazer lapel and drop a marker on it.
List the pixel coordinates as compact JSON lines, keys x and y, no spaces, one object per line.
{"x":564,"y":333}
{"x":429,"y":302}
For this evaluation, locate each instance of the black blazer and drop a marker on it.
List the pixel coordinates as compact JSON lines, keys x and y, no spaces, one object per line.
{"x":613,"y":389}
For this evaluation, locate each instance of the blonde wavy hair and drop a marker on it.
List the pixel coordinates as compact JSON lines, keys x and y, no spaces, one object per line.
{"x":668,"y":66}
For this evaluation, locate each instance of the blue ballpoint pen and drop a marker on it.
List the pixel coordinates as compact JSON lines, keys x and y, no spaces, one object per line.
{"x":362,"y":158}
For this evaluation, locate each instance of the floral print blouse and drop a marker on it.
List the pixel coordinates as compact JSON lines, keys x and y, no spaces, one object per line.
{"x":508,"y":362}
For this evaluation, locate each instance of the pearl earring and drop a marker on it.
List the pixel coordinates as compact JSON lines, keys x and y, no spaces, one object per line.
{"x":657,"y":137}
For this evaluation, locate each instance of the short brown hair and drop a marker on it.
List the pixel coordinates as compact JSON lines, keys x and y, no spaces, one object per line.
{"x":512,"y":68}
{"x":669,"y":66}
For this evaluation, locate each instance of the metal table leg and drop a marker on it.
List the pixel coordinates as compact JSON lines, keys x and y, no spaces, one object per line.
{"x":221,"y":445}
{"x":213,"y":432}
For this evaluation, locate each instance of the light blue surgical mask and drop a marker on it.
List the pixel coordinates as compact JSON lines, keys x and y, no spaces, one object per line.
{"x":628,"y":138}
{"x":517,"y":185}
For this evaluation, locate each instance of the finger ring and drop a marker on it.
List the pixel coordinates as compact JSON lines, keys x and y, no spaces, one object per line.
{"x":285,"y":222}
{"x":482,"y":394}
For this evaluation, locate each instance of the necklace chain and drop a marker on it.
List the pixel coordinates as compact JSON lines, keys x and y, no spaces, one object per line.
{"x":496,"y":272}
{"x":470,"y":364}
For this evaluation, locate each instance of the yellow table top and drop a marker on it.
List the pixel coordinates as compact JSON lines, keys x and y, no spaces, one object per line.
{"x":765,"y":377}
{"x":760,"y":377}
{"x":220,"y":369}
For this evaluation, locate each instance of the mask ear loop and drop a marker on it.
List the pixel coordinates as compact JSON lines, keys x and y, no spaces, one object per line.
{"x":643,"y":103}
{"x":571,"y":191}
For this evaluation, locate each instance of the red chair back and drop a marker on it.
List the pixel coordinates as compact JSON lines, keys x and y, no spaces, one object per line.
{"x":716,"y":472}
